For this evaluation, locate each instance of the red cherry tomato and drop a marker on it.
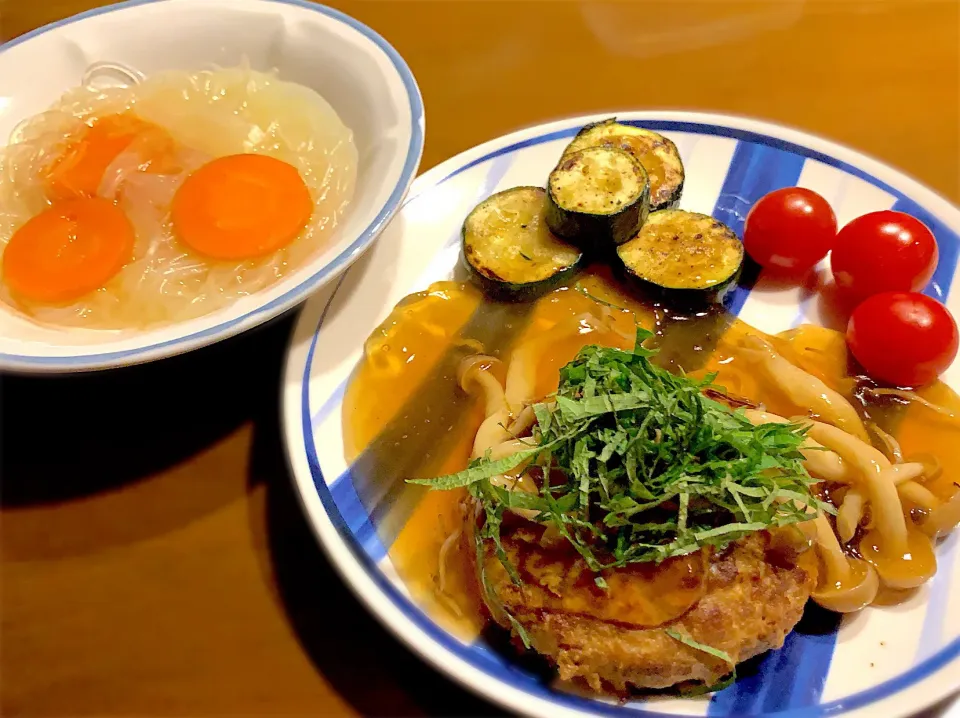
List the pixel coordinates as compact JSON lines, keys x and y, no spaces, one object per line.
{"x":903,"y":338}
{"x":883,"y":252}
{"x":790,"y":230}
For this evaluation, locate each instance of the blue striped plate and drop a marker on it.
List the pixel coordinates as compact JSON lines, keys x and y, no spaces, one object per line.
{"x":881,"y":662}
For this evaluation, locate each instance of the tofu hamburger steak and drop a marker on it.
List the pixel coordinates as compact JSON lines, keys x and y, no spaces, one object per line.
{"x":634,"y":531}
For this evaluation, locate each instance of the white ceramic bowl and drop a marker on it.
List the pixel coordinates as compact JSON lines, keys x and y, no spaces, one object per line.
{"x":356,"y":70}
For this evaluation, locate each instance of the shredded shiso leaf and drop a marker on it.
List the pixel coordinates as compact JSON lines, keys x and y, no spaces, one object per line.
{"x":727,"y":680}
{"x":644,"y":467}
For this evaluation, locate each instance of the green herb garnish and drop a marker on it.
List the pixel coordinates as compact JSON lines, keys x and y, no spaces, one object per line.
{"x":727,"y":680}
{"x":644,"y":467}
{"x":688,"y":641}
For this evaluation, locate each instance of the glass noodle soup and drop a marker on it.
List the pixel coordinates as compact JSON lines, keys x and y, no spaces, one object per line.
{"x":169,"y":197}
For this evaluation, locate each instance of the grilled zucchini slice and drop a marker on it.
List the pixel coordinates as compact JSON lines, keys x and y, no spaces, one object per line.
{"x":597,"y":198}
{"x":683,"y":255}
{"x":657,"y":154}
{"x":509,"y":250}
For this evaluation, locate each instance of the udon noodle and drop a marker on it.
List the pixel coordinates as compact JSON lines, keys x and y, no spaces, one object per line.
{"x":189,"y":119}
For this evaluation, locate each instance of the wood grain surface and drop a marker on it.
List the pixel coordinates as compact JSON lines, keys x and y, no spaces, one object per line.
{"x":155,"y":561}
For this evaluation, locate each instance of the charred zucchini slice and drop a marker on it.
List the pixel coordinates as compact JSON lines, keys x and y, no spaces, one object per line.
{"x":657,"y":154}
{"x":683,"y":255}
{"x":597,"y":198}
{"x":510,"y":251}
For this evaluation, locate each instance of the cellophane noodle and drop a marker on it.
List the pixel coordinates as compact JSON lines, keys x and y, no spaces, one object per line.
{"x":208,"y":114}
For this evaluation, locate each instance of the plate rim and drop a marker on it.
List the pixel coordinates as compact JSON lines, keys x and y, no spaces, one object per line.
{"x":71,"y":363}
{"x":365,"y":580}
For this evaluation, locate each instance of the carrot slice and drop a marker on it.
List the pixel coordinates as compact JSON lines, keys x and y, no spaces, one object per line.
{"x":79,"y":170}
{"x":68,"y":250}
{"x":241,"y":206}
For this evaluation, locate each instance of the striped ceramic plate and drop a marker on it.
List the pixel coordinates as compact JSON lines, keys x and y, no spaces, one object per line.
{"x":881,"y":662}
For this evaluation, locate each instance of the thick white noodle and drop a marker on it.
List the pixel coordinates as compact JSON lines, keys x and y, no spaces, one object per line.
{"x":473,"y":371}
{"x":818,"y":461}
{"x":881,"y":490}
{"x":523,"y":422}
{"x":494,"y":436}
{"x":445,"y":548}
{"x":522,"y":370}
{"x":834,"y":559}
{"x":802,"y":388}
{"x":918,"y":494}
{"x":850,"y":514}
{"x":835,"y":591}
{"x":943,"y":519}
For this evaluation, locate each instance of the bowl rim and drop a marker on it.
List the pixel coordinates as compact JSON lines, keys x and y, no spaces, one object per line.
{"x":31,"y":363}
{"x":919,"y":686}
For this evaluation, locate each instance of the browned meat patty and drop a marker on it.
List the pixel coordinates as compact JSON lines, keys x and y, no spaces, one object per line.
{"x":743,"y":601}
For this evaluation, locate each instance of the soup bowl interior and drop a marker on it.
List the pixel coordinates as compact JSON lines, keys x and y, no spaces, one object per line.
{"x":353,"y":68}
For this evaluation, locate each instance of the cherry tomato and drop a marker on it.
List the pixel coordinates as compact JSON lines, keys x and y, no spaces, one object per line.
{"x":790,"y":230}
{"x":883,"y":252}
{"x":903,"y":338}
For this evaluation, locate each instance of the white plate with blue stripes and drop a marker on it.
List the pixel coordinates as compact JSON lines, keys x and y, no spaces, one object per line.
{"x":880,"y":662}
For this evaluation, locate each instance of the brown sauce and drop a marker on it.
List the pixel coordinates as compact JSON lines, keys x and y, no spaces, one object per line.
{"x":638,"y":595}
{"x":401,"y":361}
{"x":643,"y":150}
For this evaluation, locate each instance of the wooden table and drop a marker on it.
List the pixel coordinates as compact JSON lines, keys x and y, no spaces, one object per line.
{"x":154,"y":557}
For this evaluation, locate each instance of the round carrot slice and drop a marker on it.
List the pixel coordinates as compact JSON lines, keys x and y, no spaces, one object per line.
{"x":241,"y":206}
{"x":68,"y":250}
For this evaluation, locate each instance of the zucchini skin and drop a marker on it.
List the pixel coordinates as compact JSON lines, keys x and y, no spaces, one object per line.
{"x":484,"y":275}
{"x":502,"y":291}
{"x":716,"y":294}
{"x":597,"y":234}
{"x":607,"y":133}
{"x":676,"y":238}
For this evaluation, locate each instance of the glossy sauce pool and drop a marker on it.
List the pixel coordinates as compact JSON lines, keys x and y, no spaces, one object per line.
{"x":401,"y":364}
